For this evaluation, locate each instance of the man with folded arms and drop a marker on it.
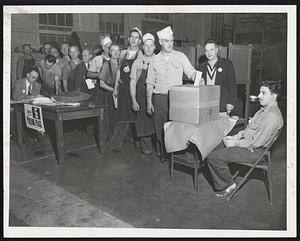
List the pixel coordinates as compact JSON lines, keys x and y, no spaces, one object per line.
{"x":248,"y":144}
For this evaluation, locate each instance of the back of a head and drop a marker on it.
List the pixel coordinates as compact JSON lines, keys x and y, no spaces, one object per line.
{"x":50,"y":58}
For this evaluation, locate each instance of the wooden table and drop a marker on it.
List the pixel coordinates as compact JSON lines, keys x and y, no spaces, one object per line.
{"x":58,"y":114}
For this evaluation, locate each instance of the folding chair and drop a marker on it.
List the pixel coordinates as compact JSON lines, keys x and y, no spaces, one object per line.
{"x":183,"y":159}
{"x":263,"y":163}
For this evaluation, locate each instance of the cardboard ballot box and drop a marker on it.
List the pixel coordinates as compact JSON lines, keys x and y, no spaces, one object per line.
{"x":194,"y":104}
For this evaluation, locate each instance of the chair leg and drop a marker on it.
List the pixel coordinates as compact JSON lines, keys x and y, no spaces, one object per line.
{"x":172,"y":166}
{"x":269,"y":175}
{"x":245,"y":178}
{"x":235,"y":175}
{"x":195,"y":176}
{"x":161,"y":154}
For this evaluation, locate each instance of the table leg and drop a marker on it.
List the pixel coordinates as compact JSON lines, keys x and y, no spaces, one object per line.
{"x":99,"y":132}
{"x":19,"y":127}
{"x":59,"y":140}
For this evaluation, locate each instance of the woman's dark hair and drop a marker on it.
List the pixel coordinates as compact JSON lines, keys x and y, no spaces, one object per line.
{"x":273,"y":85}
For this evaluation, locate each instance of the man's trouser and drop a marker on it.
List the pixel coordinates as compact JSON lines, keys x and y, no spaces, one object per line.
{"x":146,"y":144}
{"x":219,"y":158}
{"x":161,"y":115}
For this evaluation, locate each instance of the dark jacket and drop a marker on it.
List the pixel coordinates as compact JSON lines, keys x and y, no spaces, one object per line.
{"x":19,"y":89}
{"x":225,"y":77}
{"x":80,"y":74}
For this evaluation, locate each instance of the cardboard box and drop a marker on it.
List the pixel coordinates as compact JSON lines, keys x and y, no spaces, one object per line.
{"x":194,"y":104}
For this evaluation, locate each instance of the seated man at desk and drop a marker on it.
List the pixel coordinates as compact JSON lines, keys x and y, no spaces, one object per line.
{"x":248,"y":144}
{"x":28,"y":86}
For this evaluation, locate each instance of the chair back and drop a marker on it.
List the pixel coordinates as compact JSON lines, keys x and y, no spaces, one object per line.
{"x":274,"y":139}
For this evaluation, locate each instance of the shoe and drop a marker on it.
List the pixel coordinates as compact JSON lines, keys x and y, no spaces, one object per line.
{"x":224,"y":194}
{"x":146,"y":157}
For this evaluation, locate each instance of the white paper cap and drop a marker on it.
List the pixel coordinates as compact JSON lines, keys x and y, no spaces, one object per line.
{"x":165,"y":33}
{"x":148,"y":36}
{"x":138,"y":30}
{"x":105,"y":41}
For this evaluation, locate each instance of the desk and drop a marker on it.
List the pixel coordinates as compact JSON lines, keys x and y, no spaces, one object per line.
{"x":58,"y":114}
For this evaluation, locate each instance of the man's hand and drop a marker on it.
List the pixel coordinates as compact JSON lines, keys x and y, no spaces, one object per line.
{"x":229,"y":142}
{"x":150,"y":108}
{"x":235,"y":137}
{"x":115,"y":93}
{"x":135,"y":106}
{"x":229,"y":108}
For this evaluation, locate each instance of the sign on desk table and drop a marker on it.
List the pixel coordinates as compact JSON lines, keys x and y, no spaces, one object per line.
{"x":33,"y":117}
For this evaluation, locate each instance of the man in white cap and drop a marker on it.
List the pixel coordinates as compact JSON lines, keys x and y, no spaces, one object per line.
{"x":96,"y":66}
{"x":138,"y":75}
{"x":165,"y":70}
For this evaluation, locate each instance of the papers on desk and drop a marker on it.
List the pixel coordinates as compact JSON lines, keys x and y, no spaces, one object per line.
{"x":58,"y":103}
{"x":20,"y":101}
{"x":70,"y":104}
{"x":42,"y":100}
{"x":90,"y":84}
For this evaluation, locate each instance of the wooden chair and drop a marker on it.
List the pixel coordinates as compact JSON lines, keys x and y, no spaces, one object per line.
{"x":262,"y":163}
{"x":189,"y":158}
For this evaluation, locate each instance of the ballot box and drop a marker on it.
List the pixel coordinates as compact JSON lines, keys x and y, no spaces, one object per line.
{"x":194,"y":104}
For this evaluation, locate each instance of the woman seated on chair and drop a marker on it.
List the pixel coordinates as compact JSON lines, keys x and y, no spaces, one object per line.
{"x":248,"y":144}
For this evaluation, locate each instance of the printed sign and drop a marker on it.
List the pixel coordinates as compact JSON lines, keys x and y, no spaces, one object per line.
{"x":33,"y":117}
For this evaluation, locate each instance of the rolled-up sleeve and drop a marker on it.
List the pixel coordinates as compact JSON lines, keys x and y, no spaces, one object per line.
{"x":96,"y":64}
{"x":104,"y":72}
{"x":134,"y":70}
{"x":188,"y":69}
{"x":151,"y":75}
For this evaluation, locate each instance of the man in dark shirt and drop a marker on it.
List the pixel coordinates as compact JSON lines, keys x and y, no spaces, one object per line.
{"x":219,"y":71}
{"x":25,"y":62}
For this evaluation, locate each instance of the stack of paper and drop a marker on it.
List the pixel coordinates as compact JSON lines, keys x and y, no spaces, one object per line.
{"x":41,"y":100}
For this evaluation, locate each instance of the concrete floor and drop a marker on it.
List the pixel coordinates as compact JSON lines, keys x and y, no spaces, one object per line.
{"x":120,"y":190}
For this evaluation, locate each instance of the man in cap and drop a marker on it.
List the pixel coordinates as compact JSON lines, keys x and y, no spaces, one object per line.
{"x":96,"y":66}
{"x":138,"y":75}
{"x":25,"y":62}
{"x":97,"y":62}
{"x":164,"y":71}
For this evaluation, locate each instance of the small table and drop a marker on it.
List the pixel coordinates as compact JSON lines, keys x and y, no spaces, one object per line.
{"x":58,"y":114}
